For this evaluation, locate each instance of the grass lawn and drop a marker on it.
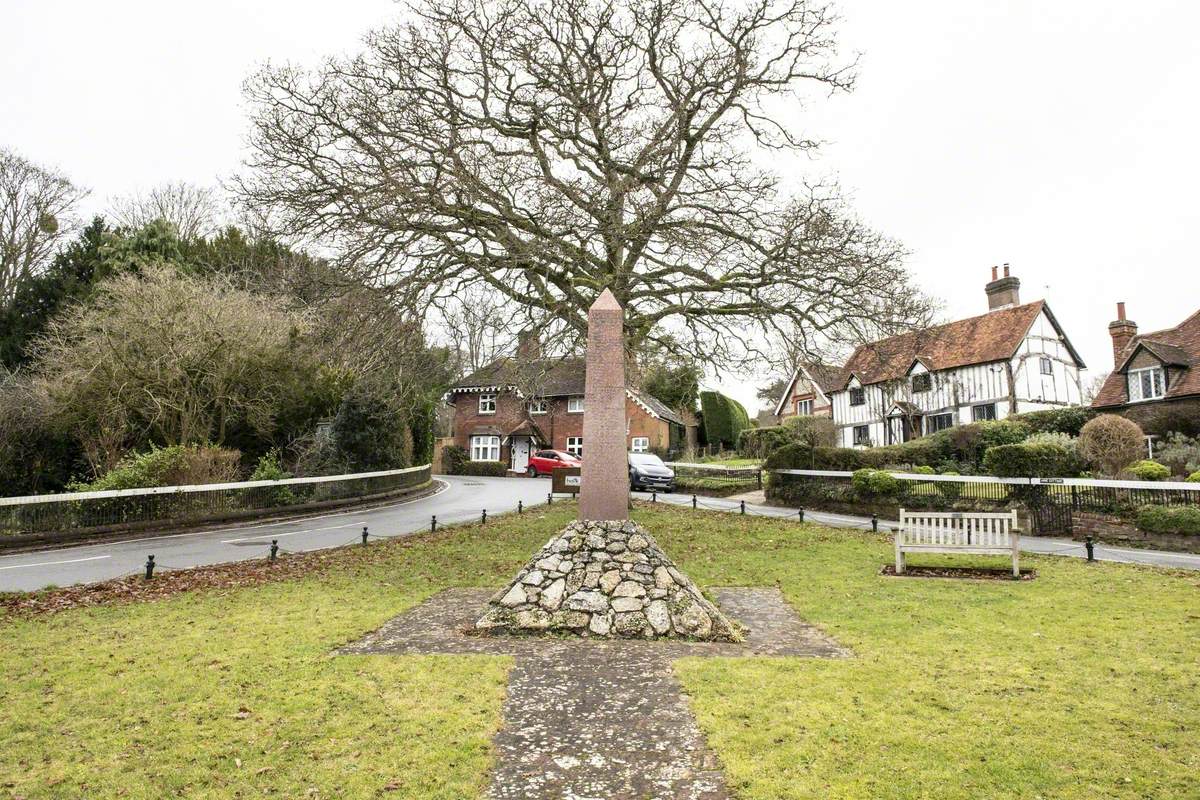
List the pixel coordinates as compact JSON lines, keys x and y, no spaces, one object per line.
{"x":1084,"y":683}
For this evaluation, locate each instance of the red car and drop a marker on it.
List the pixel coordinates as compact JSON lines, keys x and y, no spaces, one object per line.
{"x":543,"y":462}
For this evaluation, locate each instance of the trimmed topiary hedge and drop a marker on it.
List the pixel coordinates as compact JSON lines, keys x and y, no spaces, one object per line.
{"x":1057,"y":420}
{"x":490,"y":469}
{"x":724,"y":418}
{"x":1029,"y":461}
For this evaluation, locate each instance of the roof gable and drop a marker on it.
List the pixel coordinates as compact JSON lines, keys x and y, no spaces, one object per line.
{"x":823,"y":376}
{"x":1178,"y":348}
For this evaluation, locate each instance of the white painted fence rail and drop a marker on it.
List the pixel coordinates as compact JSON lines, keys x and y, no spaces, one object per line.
{"x":953,"y":532}
{"x":1184,"y":486}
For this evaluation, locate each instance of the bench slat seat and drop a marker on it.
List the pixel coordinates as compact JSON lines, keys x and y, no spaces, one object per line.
{"x":954,"y":532}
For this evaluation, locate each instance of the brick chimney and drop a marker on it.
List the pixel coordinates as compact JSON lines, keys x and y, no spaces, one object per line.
{"x":1122,"y":331}
{"x":1003,"y":292}
{"x":529,"y":345}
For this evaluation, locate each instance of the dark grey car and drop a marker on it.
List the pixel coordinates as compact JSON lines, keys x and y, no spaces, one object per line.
{"x":648,"y":473}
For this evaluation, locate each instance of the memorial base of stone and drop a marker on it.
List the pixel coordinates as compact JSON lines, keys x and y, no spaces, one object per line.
{"x":606,"y":579}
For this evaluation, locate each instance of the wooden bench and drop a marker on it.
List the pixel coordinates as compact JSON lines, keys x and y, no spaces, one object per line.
{"x":953,"y":532}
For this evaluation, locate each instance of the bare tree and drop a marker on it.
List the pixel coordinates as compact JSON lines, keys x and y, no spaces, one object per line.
{"x":193,"y":210}
{"x":478,"y":324}
{"x":548,"y":150}
{"x":35,"y":214}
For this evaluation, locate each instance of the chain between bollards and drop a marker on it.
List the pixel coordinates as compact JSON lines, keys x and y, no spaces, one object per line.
{"x":149,"y":567}
{"x":1090,"y":544}
{"x":274,"y":550}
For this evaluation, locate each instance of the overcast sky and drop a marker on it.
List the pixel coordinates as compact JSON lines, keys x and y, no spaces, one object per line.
{"x":1062,"y":137}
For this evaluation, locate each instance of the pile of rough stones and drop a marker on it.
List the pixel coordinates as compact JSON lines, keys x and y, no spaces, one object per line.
{"x":605,"y":579}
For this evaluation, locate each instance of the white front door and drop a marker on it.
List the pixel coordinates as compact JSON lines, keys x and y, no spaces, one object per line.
{"x":520,"y":453}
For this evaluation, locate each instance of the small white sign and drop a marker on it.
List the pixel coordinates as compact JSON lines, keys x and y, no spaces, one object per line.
{"x":570,"y":480}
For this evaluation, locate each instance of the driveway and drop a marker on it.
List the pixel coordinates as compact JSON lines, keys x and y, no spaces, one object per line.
{"x":459,"y":498}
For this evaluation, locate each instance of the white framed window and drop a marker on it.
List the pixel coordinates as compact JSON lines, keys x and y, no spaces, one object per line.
{"x":575,"y":445}
{"x":922,"y":382}
{"x":575,"y":405}
{"x":538,"y":407}
{"x":938,"y":422}
{"x":1146,"y":384}
{"x":858,"y":395}
{"x":862,"y":433}
{"x":487,"y":403}
{"x":1046,"y":365}
{"x":982,"y":412}
{"x":804,"y":407}
{"x":485,"y":448}
{"x":640,"y":444}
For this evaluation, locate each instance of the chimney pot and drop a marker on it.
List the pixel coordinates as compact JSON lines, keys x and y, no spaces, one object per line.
{"x":995,"y":273}
{"x":1122,"y":331}
{"x":1006,"y":269}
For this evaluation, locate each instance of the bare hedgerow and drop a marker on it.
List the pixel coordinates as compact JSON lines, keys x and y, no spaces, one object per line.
{"x":1110,"y":443}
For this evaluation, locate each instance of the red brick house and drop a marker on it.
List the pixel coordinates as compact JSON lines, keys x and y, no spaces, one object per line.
{"x":807,"y":393}
{"x":516,"y":405}
{"x":1155,"y":374}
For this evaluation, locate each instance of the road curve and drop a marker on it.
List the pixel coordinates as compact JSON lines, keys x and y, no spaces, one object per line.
{"x":459,"y":498}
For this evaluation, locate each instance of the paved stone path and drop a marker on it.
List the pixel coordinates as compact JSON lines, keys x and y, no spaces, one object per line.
{"x":599,"y":720}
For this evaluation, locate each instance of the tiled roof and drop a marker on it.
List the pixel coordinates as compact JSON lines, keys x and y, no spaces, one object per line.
{"x":549,"y":377}
{"x":825,"y":376}
{"x":994,"y":336}
{"x":1178,"y":346}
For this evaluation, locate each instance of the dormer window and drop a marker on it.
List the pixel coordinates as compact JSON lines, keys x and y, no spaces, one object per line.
{"x":922,"y":382}
{"x":1146,"y":384}
{"x":858,"y":396}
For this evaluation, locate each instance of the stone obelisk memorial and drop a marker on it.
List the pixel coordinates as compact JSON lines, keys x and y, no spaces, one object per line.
{"x":604,"y":575}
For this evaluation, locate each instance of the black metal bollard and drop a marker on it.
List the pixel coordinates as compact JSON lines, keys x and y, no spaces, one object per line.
{"x":800,"y":513}
{"x":274,"y":550}
{"x":693,"y":501}
{"x":483,"y":517}
{"x":149,"y":567}
{"x":654,"y":497}
{"x":520,"y":507}
{"x":364,"y":535}
{"x":549,"y":498}
{"x":1090,"y":544}
{"x":743,"y":506}
{"x":875,"y":523}
{"x":433,"y":523}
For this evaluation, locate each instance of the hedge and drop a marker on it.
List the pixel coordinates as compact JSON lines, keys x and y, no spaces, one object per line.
{"x":1057,"y":420}
{"x":798,"y":456}
{"x":1167,"y":519}
{"x":453,"y":459}
{"x":724,"y":418}
{"x":491,"y":469}
{"x":1029,"y":461}
{"x":761,"y":442}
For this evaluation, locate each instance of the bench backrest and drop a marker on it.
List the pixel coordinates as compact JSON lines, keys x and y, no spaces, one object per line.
{"x":952,"y":529}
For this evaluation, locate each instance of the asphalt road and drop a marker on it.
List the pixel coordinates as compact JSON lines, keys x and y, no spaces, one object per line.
{"x":460,"y":498}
